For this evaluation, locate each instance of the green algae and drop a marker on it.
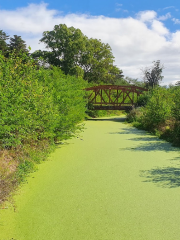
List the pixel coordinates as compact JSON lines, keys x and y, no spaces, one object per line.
{"x":113,"y":182}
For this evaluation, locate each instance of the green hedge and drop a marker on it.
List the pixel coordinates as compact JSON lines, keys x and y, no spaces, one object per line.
{"x":37,"y":103}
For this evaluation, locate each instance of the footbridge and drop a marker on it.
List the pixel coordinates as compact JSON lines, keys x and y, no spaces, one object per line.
{"x":113,"y":97}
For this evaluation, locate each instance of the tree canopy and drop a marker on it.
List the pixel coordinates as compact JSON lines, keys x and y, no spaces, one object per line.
{"x":75,"y":54}
{"x":152,"y":75}
{"x":16,"y":44}
{"x":3,"y":44}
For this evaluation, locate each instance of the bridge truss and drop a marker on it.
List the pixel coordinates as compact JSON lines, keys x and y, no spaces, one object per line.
{"x":113,"y":97}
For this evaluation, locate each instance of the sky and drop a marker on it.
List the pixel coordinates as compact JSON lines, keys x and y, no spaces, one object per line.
{"x":139,"y":32}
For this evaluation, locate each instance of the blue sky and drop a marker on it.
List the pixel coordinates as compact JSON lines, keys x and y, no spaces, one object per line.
{"x":139,"y":32}
{"x":110,"y":8}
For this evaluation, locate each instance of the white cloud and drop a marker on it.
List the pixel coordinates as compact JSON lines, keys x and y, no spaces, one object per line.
{"x":176,"y":21}
{"x":146,"y":16}
{"x":135,"y":42}
{"x":164,"y":17}
{"x":159,"y":28}
{"x":168,"y":7}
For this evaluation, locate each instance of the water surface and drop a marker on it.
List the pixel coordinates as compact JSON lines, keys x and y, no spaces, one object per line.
{"x":113,"y":182}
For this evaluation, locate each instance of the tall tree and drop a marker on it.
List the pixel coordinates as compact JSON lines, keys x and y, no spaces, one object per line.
{"x":71,"y":50}
{"x":65,"y":45}
{"x":97,"y":62}
{"x":17,"y":45}
{"x":3,"y":44}
{"x":152,"y":75}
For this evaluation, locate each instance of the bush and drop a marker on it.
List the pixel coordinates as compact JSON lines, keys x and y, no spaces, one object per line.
{"x":37,"y":103}
{"x":134,"y":115}
{"x":157,"y":110}
{"x":143,"y":99}
{"x":176,"y":115}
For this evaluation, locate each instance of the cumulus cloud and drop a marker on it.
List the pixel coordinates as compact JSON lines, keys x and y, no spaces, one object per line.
{"x":135,"y":42}
{"x":146,"y":16}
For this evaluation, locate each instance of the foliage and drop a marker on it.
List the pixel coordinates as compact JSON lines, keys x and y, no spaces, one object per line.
{"x":120,"y":81}
{"x":177,"y":83}
{"x":69,"y":98}
{"x":71,"y":50}
{"x":160,"y":114}
{"x":103,"y":113}
{"x":17,"y":45}
{"x":97,"y":62}
{"x":3,"y":44}
{"x":157,"y":110}
{"x":37,"y":108}
{"x":65,"y":44}
{"x":152,"y":75}
{"x":134,"y":115}
{"x":135,"y":82}
{"x":17,"y":163}
{"x":144,"y":98}
{"x":37,"y":103}
{"x":176,"y":115}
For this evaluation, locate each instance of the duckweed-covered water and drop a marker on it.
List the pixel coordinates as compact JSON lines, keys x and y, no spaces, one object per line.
{"x":114,"y":182}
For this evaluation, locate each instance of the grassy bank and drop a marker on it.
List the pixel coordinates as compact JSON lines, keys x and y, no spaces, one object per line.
{"x":38,"y":108}
{"x":17,"y":163}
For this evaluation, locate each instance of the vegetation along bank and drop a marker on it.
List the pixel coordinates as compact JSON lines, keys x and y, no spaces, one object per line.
{"x":42,"y":100}
{"x":41,"y":97}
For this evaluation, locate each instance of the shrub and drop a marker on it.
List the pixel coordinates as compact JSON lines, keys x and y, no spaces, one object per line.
{"x":157,"y":110}
{"x":143,"y":99}
{"x":176,"y":115}
{"x":37,"y":103}
{"x":134,"y":115}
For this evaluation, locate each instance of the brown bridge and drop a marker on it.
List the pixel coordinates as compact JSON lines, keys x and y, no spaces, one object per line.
{"x":113,"y":97}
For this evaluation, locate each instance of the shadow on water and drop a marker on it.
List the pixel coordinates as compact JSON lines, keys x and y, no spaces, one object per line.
{"x":147,"y":142}
{"x":110,"y":119}
{"x":131,"y":130}
{"x":167,"y":177}
{"x":153,"y":146}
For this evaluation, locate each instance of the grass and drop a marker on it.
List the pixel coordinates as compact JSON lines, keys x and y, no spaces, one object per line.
{"x":17,"y":163}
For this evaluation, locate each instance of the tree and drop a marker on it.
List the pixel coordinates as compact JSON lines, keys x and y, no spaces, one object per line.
{"x":17,"y":45}
{"x":3,"y":44}
{"x":77,"y":55}
{"x":177,"y":83}
{"x":97,"y":62}
{"x":65,"y":45}
{"x":152,"y":75}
